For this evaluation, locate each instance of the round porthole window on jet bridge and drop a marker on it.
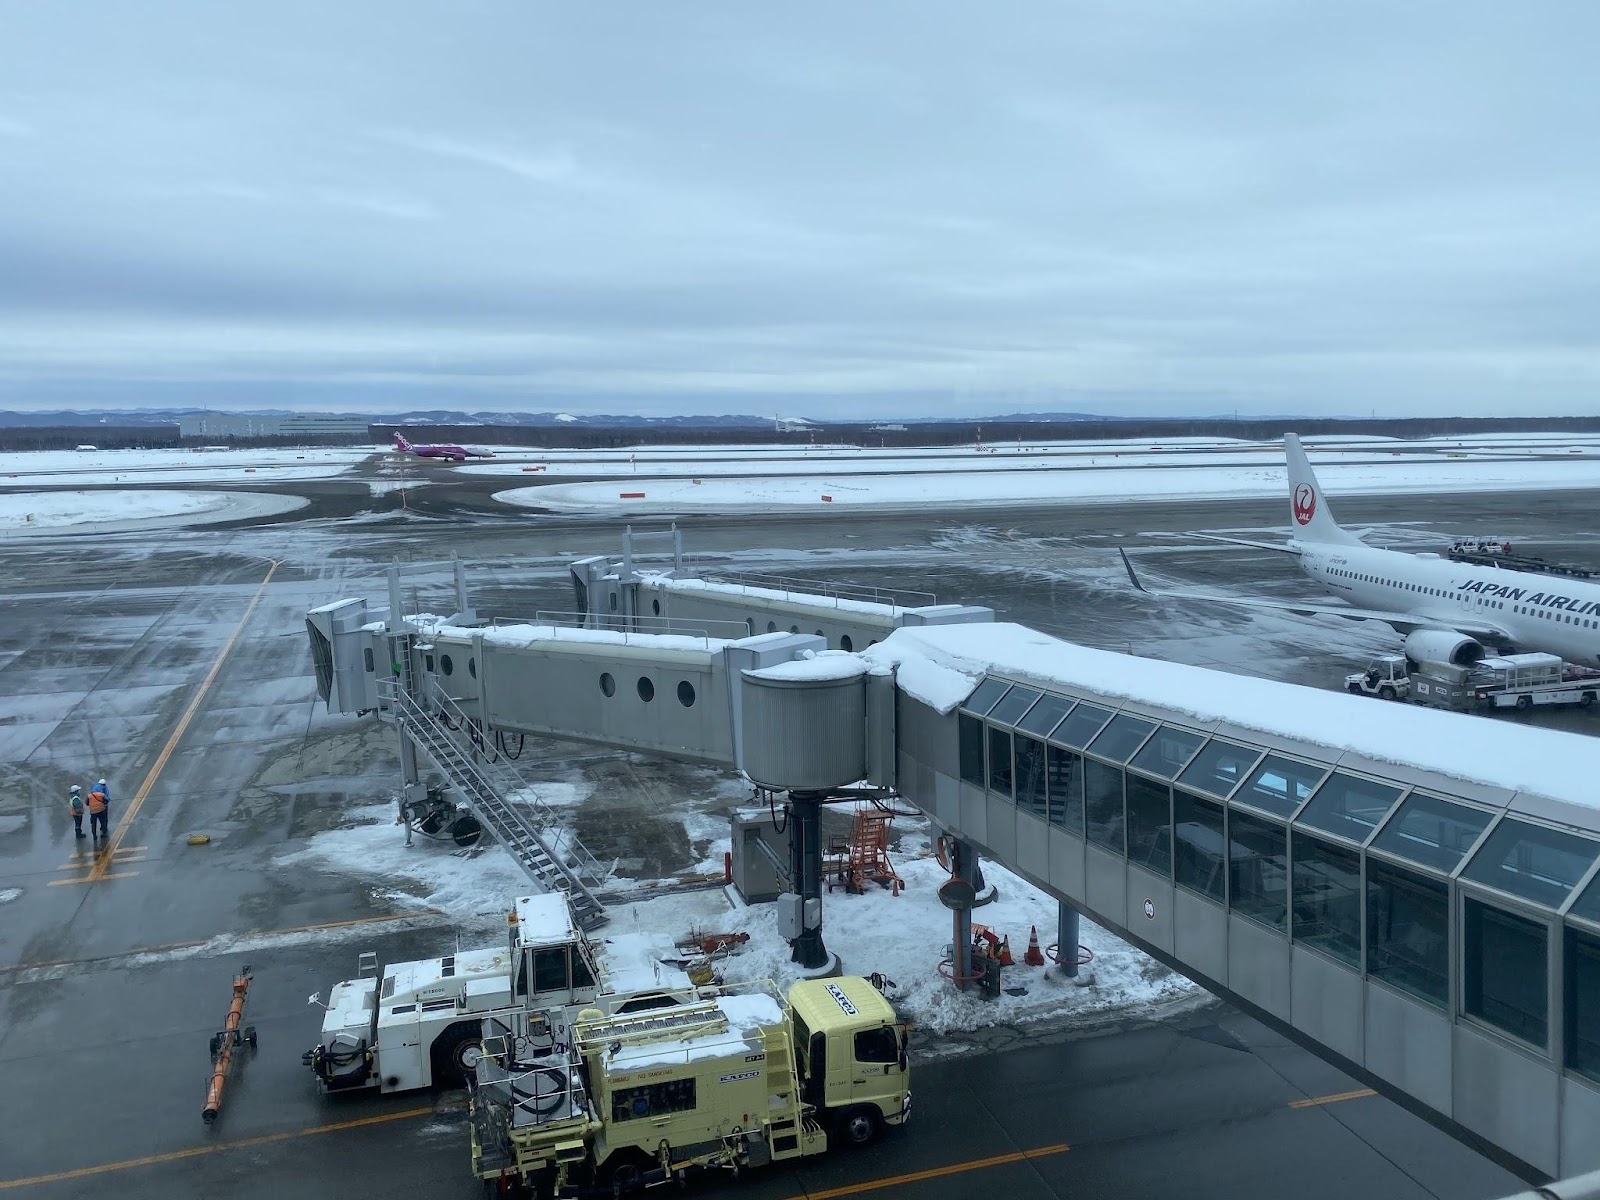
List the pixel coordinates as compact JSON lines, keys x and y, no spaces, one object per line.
{"x":686,"y":693}
{"x":608,"y":685}
{"x":845,"y":643}
{"x":655,"y":606}
{"x":472,"y":667}
{"x":647,"y":690}
{"x":446,"y":665}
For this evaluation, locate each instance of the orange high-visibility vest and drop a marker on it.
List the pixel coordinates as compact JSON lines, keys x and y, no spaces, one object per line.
{"x":97,"y":802}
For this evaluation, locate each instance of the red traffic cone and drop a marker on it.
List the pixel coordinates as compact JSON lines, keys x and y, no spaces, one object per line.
{"x":1005,"y":952}
{"x":1033,"y":956}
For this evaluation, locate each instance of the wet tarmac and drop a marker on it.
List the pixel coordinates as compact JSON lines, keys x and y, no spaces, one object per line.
{"x":176,"y":665}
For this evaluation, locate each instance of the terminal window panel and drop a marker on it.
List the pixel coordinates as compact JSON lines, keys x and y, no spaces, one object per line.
{"x":1080,"y":725}
{"x":1432,"y":831}
{"x":1167,"y":752}
{"x":1258,"y":869}
{"x":985,"y":696}
{"x":1102,"y":794}
{"x":1064,"y":773}
{"x":1408,"y":931}
{"x":970,"y":734}
{"x":1044,"y":716}
{"x":1198,"y":848}
{"x":1015,"y":703}
{"x":1583,"y":1003}
{"x":1000,"y":761}
{"x":1030,"y":773}
{"x":1119,"y":739}
{"x":1327,"y":897}
{"x":1149,"y":824}
{"x":1504,"y":970}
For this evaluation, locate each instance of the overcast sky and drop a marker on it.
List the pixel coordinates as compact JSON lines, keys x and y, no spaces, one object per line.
{"x":818,"y":209}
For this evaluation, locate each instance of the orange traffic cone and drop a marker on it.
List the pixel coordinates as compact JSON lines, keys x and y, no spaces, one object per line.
{"x":1005,"y":952}
{"x":1033,"y":956}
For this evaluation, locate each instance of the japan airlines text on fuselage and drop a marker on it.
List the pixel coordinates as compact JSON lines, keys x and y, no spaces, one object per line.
{"x":1556,"y":616}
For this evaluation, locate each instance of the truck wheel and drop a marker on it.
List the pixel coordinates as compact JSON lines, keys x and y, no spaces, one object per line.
{"x":455,"y":1055}
{"x":859,"y":1126}
{"x":1524,"y":702}
{"x":1587,"y":701}
{"x":466,"y":831}
{"x":1353,"y":688}
{"x":1386,"y":692}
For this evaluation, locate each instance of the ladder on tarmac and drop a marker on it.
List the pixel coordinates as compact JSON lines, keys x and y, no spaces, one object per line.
{"x":546,"y":865}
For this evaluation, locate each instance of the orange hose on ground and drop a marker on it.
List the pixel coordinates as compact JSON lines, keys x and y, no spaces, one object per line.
{"x":230,"y":1038}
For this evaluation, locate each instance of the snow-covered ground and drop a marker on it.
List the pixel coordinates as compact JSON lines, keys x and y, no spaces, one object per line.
{"x":93,"y":468}
{"x":1039,"y":484}
{"x":901,"y":937}
{"x":116,"y":510}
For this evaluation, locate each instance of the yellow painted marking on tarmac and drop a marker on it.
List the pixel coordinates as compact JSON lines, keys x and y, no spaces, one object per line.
{"x":160,"y":764}
{"x":95,"y":878}
{"x":128,"y":849}
{"x":150,"y":1160}
{"x":1315,"y":1101}
{"x":960,"y":1168}
{"x":257,"y":933}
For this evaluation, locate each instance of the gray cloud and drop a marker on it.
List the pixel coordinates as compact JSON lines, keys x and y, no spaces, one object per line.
{"x":894,"y":208}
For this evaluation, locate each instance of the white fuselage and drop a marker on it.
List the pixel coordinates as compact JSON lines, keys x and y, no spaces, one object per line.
{"x":1538,"y":612}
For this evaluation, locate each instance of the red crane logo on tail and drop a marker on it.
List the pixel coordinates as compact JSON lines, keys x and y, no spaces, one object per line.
{"x":1305,"y":503}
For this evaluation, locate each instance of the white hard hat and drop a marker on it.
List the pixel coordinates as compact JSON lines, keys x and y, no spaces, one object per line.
{"x":76,"y":788}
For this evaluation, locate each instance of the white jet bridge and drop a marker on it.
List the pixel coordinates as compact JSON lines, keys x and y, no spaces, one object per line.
{"x":1413,"y":894}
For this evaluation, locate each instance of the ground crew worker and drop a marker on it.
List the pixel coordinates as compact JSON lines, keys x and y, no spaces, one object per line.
{"x":98,"y":821}
{"x":75,"y":803}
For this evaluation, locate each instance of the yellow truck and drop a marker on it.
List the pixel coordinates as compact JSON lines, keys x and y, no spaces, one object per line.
{"x":739,"y":1078}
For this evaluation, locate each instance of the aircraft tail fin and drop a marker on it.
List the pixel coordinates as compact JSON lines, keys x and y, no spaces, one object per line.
{"x":400,"y":442}
{"x":1310,"y":518}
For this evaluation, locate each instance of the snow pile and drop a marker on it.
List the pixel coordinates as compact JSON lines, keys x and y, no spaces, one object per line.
{"x":815,"y":668}
{"x":113,"y":510}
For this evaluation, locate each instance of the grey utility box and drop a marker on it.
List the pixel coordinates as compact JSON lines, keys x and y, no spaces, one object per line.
{"x":760,"y":856}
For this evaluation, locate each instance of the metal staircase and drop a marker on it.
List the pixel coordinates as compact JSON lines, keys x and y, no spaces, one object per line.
{"x":508,"y":822}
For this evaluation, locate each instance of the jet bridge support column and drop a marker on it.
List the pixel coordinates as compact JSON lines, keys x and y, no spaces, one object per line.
{"x":1067,"y":935}
{"x":964,"y":867}
{"x":805,"y":872}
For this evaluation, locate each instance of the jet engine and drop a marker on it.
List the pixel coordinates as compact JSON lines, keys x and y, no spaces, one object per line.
{"x":1443,"y":646}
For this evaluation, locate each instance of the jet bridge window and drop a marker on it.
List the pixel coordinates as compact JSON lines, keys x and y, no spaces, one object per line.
{"x":1064,"y":771}
{"x":1408,"y":931}
{"x":1121,"y":738}
{"x":1044,"y":716}
{"x":1531,"y":861}
{"x":1432,"y":831}
{"x":1167,"y":752}
{"x":1219,"y":767}
{"x":970,"y":733}
{"x":1000,"y":761}
{"x":1279,"y":785}
{"x":1504,"y":978}
{"x":1587,"y":905}
{"x":985,"y":696}
{"x":1102,"y":787}
{"x":1080,"y":725}
{"x":1327,"y":897}
{"x":1031,"y":794}
{"x":1583,"y":1003}
{"x":1149,"y":824}
{"x":1198,"y":849}
{"x":1013,"y":705}
{"x":1258,"y":869}
{"x":1349,"y":805}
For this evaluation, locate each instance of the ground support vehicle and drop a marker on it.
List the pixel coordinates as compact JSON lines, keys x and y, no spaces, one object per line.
{"x":421,"y":1023}
{"x":1496,"y":552}
{"x":1521,"y":681}
{"x":738,"y":1079}
{"x":1387,"y":677}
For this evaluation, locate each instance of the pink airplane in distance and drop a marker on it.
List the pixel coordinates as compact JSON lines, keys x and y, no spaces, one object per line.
{"x":455,"y":453}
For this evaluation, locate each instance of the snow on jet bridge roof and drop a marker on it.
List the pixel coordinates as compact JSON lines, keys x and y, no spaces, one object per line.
{"x":1516,"y":758}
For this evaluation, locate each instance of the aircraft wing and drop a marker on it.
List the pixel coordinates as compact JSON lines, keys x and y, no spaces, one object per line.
{"x":1281,"y":547}
{"x":1404,"y":622}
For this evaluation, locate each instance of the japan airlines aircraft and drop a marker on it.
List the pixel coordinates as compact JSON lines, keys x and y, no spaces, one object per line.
{"x":1448,"y":611}
{"x":456,"y":453}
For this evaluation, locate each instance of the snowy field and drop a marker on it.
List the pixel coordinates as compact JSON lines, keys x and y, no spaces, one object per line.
{"x":901,"y":937}
{"x":1043,"y":483}
{"x":119,"y":510}
{"x":97,"y":468}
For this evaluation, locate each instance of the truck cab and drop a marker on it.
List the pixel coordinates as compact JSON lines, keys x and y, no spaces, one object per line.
{"x":1386,"y":676}
{"x":850,"y":1051}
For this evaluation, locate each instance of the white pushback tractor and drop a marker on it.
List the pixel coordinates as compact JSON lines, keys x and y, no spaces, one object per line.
{"x":421,"y":1023}
{"x":740,"y":1078}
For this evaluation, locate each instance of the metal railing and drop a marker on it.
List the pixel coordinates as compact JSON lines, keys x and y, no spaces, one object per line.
{"x":708,"y":631}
